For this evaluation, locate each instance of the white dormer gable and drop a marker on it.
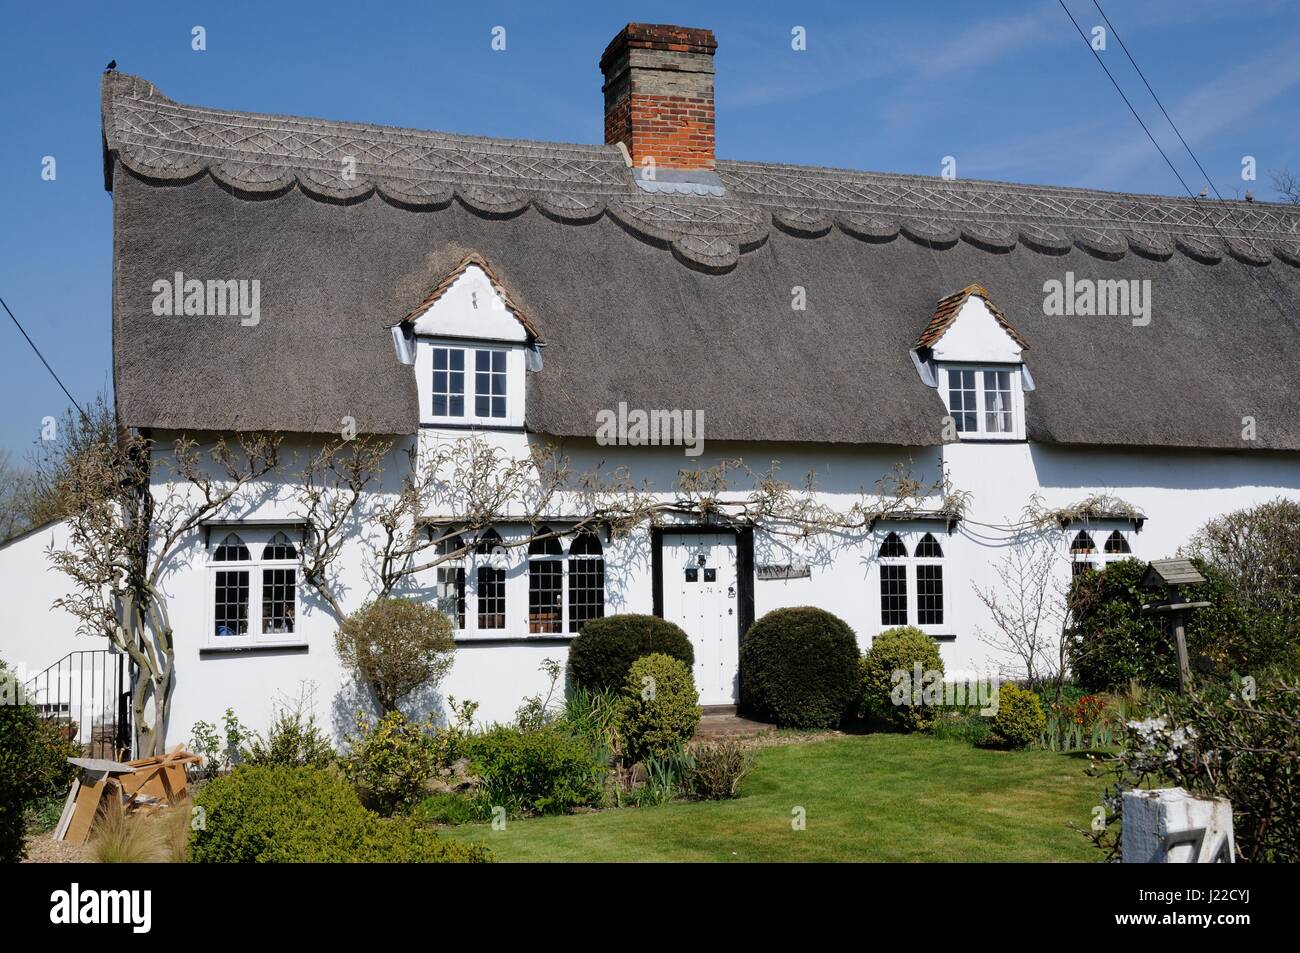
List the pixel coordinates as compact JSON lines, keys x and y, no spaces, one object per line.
{"x":471,"y":307}
{"x":473,"y":348}
{"x":973,"y":355}
{"x":976,"y":337}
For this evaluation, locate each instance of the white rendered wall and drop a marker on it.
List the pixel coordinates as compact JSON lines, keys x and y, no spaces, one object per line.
{"x":34,"y":634}
{"x":1177,"y":491}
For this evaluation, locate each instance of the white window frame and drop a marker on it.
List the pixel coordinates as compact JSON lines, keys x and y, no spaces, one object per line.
{"x":1099,"y":533}
{"x":450,"y":540}
{"x":562,"y":558}
{"x":255,"y":540}
{"x":911,"y":536}
{"x":516,"y":561}
{"x":566,"y":558}
{"x":981,"y":431}
{"x":515,"y":370}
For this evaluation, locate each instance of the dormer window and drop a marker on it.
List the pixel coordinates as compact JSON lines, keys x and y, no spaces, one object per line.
{"x":485,"y":400}
{"x":473,"y":348}
{"x":973,"y":356}
{"x":985,"y":402}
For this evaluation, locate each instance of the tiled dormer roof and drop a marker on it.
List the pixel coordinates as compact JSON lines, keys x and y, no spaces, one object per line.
{"x":946,"y":311}
{"x":477,"y":260}
{"x":258,"y":154}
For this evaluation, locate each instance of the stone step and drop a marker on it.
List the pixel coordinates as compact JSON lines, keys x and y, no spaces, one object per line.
{"x":727,"y":724}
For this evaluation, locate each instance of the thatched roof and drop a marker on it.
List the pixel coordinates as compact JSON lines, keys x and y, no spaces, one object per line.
{"x":582,"y":251}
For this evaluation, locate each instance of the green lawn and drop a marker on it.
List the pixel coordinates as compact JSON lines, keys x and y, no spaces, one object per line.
{"x":880,"y":797}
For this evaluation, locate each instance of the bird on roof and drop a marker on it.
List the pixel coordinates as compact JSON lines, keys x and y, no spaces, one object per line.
{"x":1205,"y":191}
{"x":1249,"y":196}
{"x":111,"y":67}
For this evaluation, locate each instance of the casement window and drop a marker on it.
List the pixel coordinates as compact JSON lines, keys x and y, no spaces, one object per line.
{"x":545,"y":585}
{"x":1085,"y":557}
{"x":490,"y":582}
{"x":549,"y":613}
{"x":911,"y":582}
{"x":470,"y":385}
{"x":451,"y":579}
{"x":985,"y":403}
{"x":586,"y":580}
{"x":254,"y":600}
{"x":929,"y":581}
{"x":893,"y":582}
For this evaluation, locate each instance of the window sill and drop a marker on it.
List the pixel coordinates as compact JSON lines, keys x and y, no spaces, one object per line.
{"x":505,"y":638}
{"x":941,"y":636}
{"x":264,"y":648}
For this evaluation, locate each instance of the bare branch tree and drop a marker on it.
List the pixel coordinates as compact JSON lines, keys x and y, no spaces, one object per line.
{"x":124,"y":535}
{"x":1027,"y":606}
{"x":1287,"y":184}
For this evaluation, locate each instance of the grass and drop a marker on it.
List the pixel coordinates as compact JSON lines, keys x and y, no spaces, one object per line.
{"x":881,"y":797}
{"x":122,"y":838}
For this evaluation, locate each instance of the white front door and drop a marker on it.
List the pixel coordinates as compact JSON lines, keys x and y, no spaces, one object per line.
{"x":699,"y":587}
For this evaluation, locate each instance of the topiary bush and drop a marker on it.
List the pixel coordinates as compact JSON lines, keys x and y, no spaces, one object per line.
{"x":278,"y":814}
{"x":603,"y":652}
{"x":888,"y":671}
{"x":1019,"y":720}
{"x":539,"y":771}
{"x":396,"y":646}
{"x":660,"y":707}
{"x":799,"y":668}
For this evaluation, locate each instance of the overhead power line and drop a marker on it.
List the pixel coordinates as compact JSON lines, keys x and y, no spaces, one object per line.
{"x":1173,"y":125}
{"x":1119,"y":90}
{"x":1168,"y":118}
{"x":29,"y":340}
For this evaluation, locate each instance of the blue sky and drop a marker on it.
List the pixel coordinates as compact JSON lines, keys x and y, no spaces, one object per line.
{"x":1007,"y":88}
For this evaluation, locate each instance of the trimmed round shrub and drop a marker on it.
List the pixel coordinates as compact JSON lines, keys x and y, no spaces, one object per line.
{"x":603,"y":652}
{"x":1019,"y":720}
{"x":889,"y":671}
{"x":396,"y":646}
{"x":799,"y":668}
{"x":660,"y":707}
{"x":282,"y":814}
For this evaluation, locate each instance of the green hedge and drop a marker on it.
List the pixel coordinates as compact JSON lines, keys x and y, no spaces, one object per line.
{"x":799,"y":668}
{"x":540,"y":771}
{"x":603,"y":652}
{"x":1111,"y":641}
{"x":33,"y":766}
{"x":307,"y":815}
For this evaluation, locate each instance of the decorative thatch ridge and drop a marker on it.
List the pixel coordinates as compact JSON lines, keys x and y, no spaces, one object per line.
{"x":256,"y":154}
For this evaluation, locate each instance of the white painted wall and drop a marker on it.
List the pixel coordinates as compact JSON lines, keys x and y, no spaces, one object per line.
{"x":1178,"y":492}
{"x":33,"y":633}
{"x":975,"y":337}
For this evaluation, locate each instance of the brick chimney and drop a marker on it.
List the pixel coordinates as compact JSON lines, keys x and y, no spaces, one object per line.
{"x":659,"y":95}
